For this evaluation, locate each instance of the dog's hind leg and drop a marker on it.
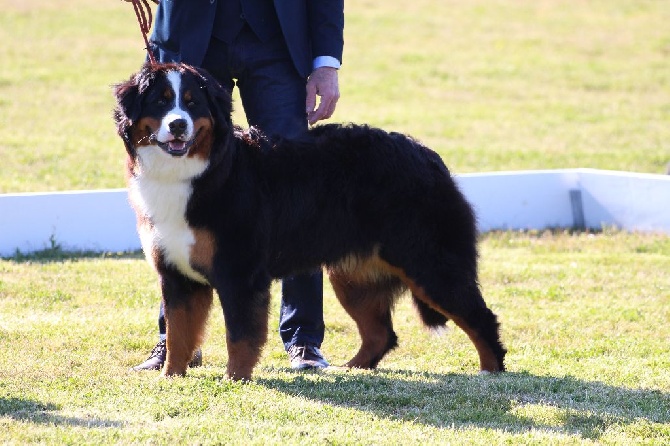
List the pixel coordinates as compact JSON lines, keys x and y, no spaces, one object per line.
{"x":369,"y":304}
{"x":186,"y":320}
{"x":482,"y":327}
{"x":458,"y":298}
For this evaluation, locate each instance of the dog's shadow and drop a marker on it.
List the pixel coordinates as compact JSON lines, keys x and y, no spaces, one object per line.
{"x":513,"y":402}
{"x":36,"y":412}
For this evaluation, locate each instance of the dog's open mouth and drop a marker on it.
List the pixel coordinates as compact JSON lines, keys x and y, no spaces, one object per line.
{"x":175,"y":147}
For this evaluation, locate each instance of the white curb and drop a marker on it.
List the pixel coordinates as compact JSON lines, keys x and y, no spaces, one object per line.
{"x":103,"y":221}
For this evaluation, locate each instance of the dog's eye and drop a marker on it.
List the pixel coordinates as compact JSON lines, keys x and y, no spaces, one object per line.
{"x":191,"y":104}
{"x":161,"y":102}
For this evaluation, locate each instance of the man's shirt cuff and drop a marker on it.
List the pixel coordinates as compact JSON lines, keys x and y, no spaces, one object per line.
{"x":326,"y":61}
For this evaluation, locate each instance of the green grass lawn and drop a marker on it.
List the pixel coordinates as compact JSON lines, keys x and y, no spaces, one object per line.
{"x":491,"y":85}
{"x":585,"y":318}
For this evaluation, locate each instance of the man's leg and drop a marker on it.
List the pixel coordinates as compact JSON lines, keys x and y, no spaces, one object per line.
{"x":273,"y":96}
{"x":301,"y":325}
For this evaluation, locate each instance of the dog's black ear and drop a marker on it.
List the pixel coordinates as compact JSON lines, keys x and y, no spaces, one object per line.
{"x":219,"y":99}
{"x":127,"y":111}
{"x":127,"y":108}
{"x":128,"y":94}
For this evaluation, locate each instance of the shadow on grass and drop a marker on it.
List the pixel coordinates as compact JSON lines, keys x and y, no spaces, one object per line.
{"x":510,"y":402}
{"x":30,"y":411}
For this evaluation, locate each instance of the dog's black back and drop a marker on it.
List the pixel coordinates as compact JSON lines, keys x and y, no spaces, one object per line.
{"x":325,"y":182}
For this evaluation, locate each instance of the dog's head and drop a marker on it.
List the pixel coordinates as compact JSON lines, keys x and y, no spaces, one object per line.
{"x":170,"y":115}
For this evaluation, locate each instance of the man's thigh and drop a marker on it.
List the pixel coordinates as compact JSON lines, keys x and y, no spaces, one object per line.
{"x":272,"y":91}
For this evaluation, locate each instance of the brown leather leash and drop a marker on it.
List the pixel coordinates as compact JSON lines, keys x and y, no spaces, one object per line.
{"x":144,"y":18}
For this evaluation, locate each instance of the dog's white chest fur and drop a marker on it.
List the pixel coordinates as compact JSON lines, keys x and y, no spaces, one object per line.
{"x":161,"y":192}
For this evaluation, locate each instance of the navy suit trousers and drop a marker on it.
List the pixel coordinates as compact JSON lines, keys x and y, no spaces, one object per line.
{"x":273,"y":96}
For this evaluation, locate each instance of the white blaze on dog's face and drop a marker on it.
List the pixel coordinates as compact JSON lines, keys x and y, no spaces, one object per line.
{"x":173,"y":133}
{"x":176,"y":128}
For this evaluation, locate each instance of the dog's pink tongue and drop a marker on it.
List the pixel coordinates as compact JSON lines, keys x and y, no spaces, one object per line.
{"x":177,"y":146}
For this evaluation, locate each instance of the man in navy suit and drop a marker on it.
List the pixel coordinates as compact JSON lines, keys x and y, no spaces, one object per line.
{"x":281,"y":54}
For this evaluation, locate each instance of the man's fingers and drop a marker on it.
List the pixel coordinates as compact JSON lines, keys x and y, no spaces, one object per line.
{"x":310,"y":104}
{"x":325,"y":110}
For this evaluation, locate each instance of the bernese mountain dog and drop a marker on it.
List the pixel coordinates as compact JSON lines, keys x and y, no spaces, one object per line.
{"x":219,"y":208}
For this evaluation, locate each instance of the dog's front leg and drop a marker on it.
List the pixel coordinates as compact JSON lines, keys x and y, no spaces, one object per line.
{"x":246,"y":316}
{"x":187,"y":305}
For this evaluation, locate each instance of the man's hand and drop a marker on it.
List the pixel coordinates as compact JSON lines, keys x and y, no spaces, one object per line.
{"x":323,"y":83}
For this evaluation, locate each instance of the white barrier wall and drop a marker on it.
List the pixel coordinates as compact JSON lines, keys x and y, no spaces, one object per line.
{"x":520,"y":200}
{"x":637,"y":202}
{"x":103,"y":220}
{"x":86,"y":220}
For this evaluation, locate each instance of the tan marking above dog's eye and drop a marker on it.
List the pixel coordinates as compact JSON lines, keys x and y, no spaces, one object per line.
{"x":188,"y":99}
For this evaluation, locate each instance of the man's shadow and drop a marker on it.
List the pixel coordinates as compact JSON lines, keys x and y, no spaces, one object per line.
{"x":513,"y":402}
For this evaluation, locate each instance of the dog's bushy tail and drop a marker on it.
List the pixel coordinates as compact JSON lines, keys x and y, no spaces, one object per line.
{"x":431,"y":318}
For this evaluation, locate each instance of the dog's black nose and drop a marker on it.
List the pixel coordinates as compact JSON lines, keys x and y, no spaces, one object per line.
{"x":177,"y":127}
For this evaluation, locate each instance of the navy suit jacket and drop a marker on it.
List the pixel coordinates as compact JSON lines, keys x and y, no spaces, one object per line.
{"x":311,"y":28}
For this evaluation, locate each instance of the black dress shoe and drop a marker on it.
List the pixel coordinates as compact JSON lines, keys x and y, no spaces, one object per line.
{"x":156,"y":358}
{"x":306,"y":356}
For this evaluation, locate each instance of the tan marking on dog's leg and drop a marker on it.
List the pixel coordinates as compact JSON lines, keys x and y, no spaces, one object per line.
{"x":242,"y":358}
{"x":487,"y":358}
{"x":185,"y":331}
{"x":243,"y":355}
{"x":201,"y":305}
{"x":374,"y":341}
{"x":178,"y":336}
{"x":369,"y":307}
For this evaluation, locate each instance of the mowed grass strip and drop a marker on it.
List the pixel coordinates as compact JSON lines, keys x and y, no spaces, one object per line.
{"x":584,"y":317}
{"x":490,"y":85}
